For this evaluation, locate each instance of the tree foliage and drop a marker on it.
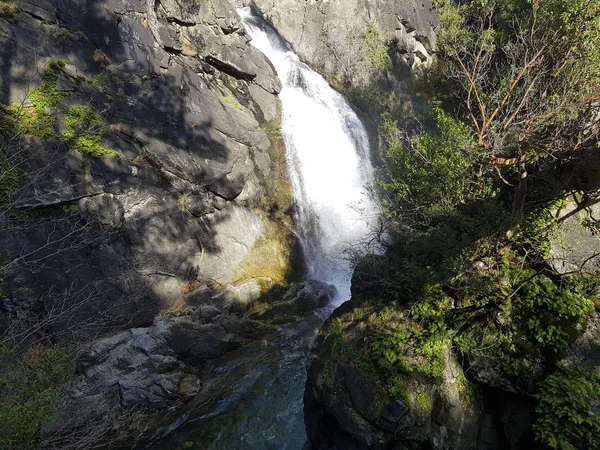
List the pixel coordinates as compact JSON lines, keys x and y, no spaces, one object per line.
{"x":525,"y":76}
{"x":569,"y":416}
{"x":31,"y":388}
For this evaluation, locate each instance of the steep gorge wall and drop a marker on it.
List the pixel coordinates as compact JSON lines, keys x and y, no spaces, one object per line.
{"x":142,"y":184}
{"x":187,"y":195}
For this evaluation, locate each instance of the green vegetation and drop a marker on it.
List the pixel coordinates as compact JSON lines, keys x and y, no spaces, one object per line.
{"x":106,"y":65}
{"x":440,"y":157}
{"x":100,"y":80}
{"x":424,"y":401}
{"x":39,"y":119}
{"x":84,"y":126}
{"x":9,"y":181}
{"x":84,"y":132}
{"x":389,"y":353}
{"x":568,"y":416}
{"x":31,"y":388}
{"x":233,"y":102}
{"x":377,"y":48}
{"x":335,"y":331}
{"x":8,"y":11}
{"x":523,"y":76}
{"x":472,"y":194}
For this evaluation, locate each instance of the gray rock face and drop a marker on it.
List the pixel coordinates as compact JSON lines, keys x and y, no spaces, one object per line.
{"x":182,"y":97}
{"x":584,"y":353}
{"x":139,"y":362}
{"x":576,"y":245}
{"x":157,"y":365}
{"x":329,"y":35}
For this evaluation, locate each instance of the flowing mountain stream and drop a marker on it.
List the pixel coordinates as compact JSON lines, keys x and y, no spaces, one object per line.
{"x":253,"y":398}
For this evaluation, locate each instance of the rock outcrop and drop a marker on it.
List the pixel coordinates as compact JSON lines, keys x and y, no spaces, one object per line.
{"x":184,"y":194}
{"x":329,"y":35}
{"x":575,"y":245}
{"x":147,"y":192}
{"x":348,"y":403}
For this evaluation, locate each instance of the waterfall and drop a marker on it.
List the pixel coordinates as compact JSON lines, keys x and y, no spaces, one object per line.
{"x":328,"y":160}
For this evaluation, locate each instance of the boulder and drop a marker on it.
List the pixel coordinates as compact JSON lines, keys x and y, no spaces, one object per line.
{"x":348,"y":405}
{"x":139,"y":362}
{"x":575,"y":246}
{"x":310,"y":295}
{"x":584,"y":353}
{"x":299,"y":300}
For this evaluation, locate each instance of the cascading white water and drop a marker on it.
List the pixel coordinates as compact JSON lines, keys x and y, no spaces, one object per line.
{"x":328,"y":159}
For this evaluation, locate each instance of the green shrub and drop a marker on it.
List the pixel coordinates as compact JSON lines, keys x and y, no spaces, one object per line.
{"x":31,"y":388}
{"x":569,"y":411}
{"x":84,"y":132}
{"x":538,"y":317}
{"x":377,"y":48}
{"x":437,"y":169}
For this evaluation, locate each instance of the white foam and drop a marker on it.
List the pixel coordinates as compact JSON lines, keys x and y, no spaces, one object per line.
{"x":327,"y":154}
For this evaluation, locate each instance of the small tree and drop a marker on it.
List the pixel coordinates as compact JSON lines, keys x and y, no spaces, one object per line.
{"x":526,"y":75}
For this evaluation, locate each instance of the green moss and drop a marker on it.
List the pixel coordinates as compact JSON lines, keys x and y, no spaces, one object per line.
{"x":335,"y":331}
{"x":46,"y":95}
{"x":39,"y":119}
{"x":32,"y":387}
{"x":233,"y":102}
{"x":567,"y":417}
{"x":100,"y":80}
{"x":8,"y":11}
{"x":377,"y":48}
{"x":424,"y":401}
{"x":84,"y":132}
{"x":396,"y":387}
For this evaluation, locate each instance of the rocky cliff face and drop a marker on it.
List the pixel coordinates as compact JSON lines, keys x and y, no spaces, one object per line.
{"x":144,"y":200}
{"x":142,"y":174}
{"x":180,"y":98}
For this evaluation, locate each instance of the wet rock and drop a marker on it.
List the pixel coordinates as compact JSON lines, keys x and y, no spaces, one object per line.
{"x":310,"y":295}
{"x":199,"y":297}
{"x":299,"y":300}
{"x":239,"y":298}
{"x":348,"y":405}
